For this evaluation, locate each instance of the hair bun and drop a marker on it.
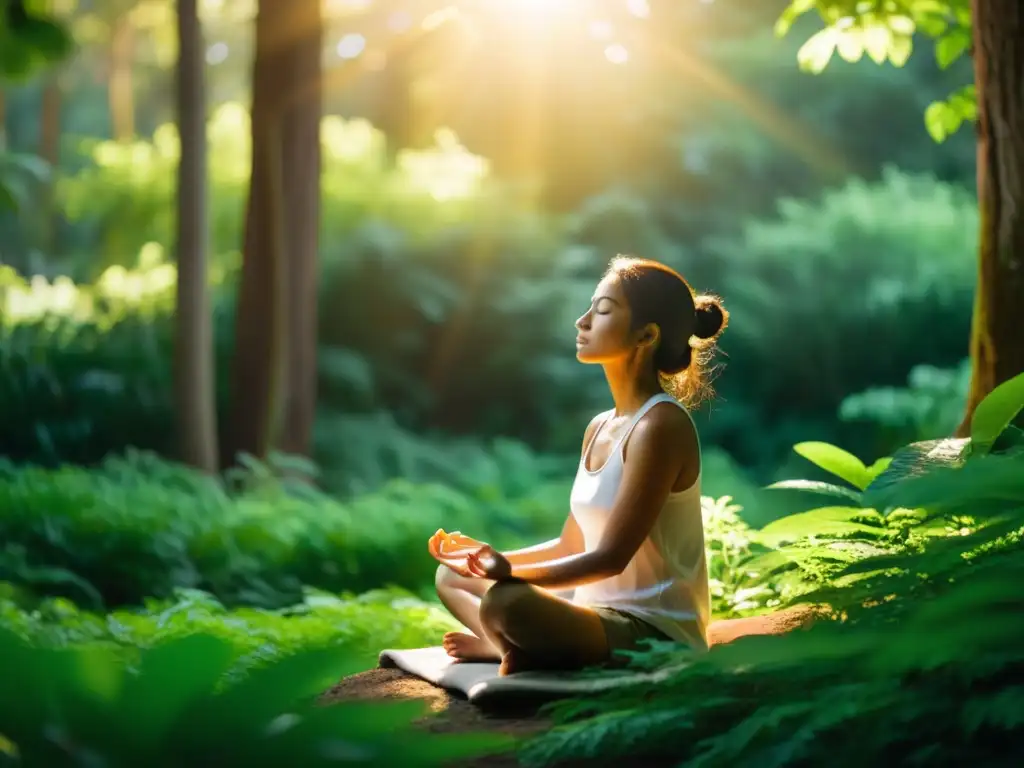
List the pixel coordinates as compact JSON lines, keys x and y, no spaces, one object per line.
{"x":711,"y":317}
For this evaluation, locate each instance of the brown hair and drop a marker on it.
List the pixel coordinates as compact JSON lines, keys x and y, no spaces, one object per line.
{"x":689,"y":324}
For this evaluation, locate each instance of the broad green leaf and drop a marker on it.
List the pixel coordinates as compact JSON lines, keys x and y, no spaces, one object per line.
{"x":840,"y":463}
{"x":932,"y":24}
{"x":941,"y":121}
{"x":877,"y":41}
{"x":850,"y":45}
{"x":900,"y":49}
{"x":815,"y":486}
{"x":879,"y":467}
{"x":951,"y":47}
{"x":815,"y":54}
{"x":902,"y":26}
{"x":995,"y":413}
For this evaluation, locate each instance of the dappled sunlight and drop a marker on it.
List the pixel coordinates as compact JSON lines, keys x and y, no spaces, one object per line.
{"x":118,"y":293}
{"x":448,"y":172}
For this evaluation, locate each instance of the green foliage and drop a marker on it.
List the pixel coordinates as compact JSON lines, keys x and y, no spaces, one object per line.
{"x":917,"y":659}
{"x":362,"y":624}
{"x":136,"y":527}
{"x":930,"y":406}
{"x":20,"y":174}
{"x":870,"y":266}
{"x":174,"y":707}
{"x":885,"y":31}
{"x":30,"y":39}
{"x":737,"y":587}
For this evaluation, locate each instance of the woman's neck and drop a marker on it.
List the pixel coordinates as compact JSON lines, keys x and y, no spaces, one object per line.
{"x":630,"y":387}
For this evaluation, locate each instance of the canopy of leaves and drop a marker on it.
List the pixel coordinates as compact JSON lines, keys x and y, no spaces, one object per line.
{"x":886,"y":31}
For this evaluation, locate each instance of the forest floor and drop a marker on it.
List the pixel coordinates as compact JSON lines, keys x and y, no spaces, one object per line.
{"x":451,"y":713}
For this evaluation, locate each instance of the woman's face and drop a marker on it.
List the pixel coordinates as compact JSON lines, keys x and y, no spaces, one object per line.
{"x":603,"y":332}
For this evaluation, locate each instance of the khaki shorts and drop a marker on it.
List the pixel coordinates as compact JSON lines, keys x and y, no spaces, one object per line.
{"x":624,"y":632}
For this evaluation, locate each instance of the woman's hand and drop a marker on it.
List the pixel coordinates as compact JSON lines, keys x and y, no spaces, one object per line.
{"x":488,"y":563}
{"x":452,"y":549}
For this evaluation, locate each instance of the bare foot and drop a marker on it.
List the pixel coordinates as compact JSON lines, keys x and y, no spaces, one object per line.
{"x":465,"y":647}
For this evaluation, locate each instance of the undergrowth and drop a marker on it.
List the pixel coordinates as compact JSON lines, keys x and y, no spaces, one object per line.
{"x":138,"y":528}
{"x":918,"y":660}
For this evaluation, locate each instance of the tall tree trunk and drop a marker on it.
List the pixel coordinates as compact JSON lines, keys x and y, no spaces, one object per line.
{"x":49,"y":150}
{"x":273,"y":371}
{"x":3,"y":117}
{"x":120,"y":85}
{"x":193,"y":369}
{"x":997,"y":334}
{"x":301,"y":185}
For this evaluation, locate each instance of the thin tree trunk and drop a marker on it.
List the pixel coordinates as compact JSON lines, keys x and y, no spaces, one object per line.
{"x":194,"y":368}
{"x":121,"y":94}
{"x":997,"y":334}
{"x":276,"y":297}
{"x":3,"y":118}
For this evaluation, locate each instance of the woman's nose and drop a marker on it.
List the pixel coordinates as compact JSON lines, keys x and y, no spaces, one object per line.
{"x":582,"y":322}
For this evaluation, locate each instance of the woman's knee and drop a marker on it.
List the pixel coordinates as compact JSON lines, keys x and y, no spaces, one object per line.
{"x":447,"y":579}
{"x":444,"y":578}
{"x":503,"y":602}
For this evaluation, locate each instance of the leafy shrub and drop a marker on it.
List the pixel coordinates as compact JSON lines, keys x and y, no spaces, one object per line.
{"x":814,"y":293}
{"x":360,"y":624}
{"x":176,"y":705}
{"x":137,"y":527}
{"x":919,"y":660}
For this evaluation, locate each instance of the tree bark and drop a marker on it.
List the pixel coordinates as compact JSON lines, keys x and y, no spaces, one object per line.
{"x":997,"y":334}
{"x":274,"y":366}
{"x":301,"y":179}
{"x":194,"y":356}
{"x":120,"y":84}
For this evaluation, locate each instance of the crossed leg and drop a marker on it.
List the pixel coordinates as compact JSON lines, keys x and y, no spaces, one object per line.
{"x":462,"y":596}
{"x":525,"y":626}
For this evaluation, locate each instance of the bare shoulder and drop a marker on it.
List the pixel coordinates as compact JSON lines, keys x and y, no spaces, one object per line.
{"x":666,"y":429}
{"x":592,"y":428}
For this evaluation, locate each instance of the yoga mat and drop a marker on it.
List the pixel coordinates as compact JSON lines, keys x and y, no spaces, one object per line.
{"x":479,"y":681}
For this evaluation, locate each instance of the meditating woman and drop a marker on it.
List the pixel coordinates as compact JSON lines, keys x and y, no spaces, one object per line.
{"x":632,"y":548}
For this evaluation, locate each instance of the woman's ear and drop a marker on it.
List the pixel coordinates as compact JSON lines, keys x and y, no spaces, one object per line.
{"x":650,"y":335}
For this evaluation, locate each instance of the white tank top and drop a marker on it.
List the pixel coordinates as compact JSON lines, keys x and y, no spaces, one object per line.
{"x":666,"y":582}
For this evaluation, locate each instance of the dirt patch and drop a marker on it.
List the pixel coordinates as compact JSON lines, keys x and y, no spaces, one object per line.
{"x":454,"y":714}
{"x":448,"y":713}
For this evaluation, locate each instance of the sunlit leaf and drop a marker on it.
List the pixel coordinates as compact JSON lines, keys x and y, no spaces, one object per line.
{"x":995,"y":413}
{"x":817,"y":486}
{"x":815,"y":54}
{"x":840,"y":463}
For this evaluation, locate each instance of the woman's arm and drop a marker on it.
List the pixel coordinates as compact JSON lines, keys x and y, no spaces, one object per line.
{"x":658,"y":449}
{"x":570,"y":542}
